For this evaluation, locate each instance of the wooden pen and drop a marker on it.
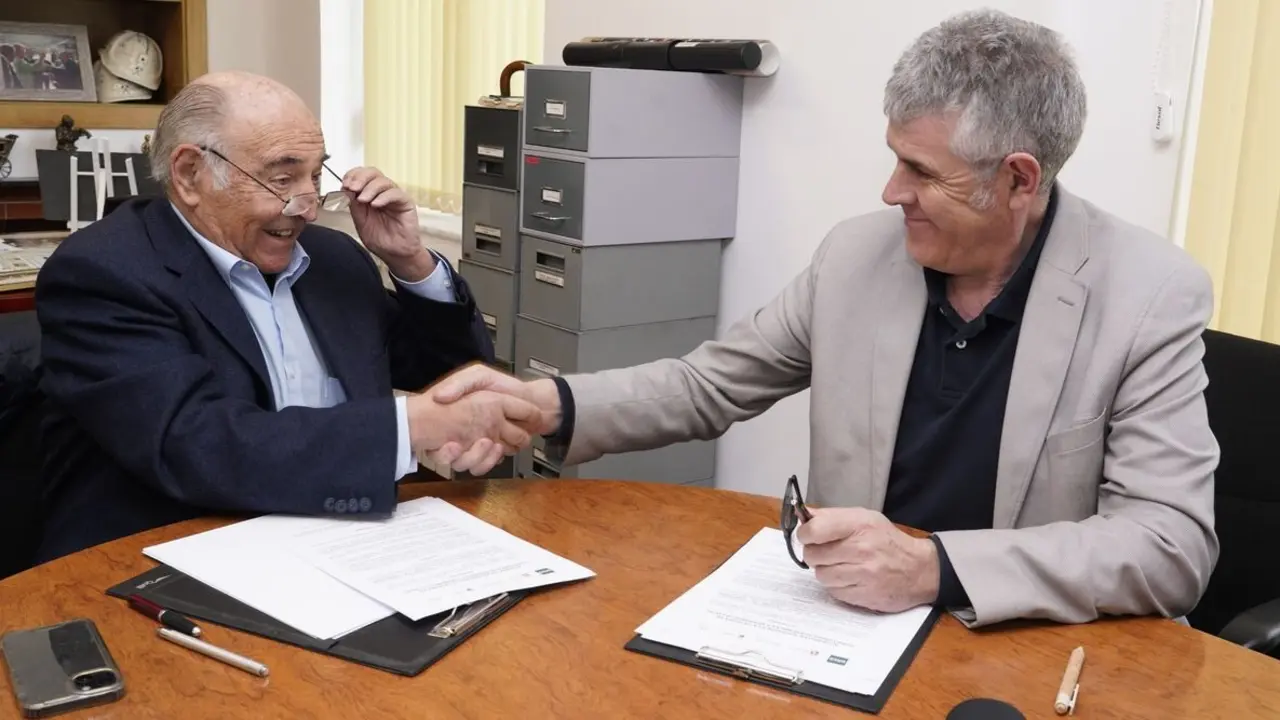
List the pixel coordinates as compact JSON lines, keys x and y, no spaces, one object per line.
{"x":1070,"y":687}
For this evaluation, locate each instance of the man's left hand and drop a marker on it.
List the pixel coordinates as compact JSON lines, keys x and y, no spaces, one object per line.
{"x":386,"y":220}
{"x":864,"y":560}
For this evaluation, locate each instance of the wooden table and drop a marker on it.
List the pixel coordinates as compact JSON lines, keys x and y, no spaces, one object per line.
{"x":559,"y":653}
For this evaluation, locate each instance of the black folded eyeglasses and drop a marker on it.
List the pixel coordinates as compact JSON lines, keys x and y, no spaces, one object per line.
{"x":793,"y":513}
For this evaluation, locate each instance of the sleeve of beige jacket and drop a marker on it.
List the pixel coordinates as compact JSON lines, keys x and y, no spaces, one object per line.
{"x":1151,"y":547}
{"x":761,"y":359}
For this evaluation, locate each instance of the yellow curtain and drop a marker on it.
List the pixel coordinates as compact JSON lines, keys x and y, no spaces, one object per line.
{"x":1233,"y":223}
{"x":424,"y":61}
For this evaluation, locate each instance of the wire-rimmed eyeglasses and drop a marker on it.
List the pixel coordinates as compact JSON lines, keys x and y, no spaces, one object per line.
{"x":301,"y":203}
{"x":794,"y":512}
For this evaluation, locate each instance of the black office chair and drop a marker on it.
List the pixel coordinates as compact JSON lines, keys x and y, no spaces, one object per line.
{"x":20,"y":458}
{"x":1242,"y":602}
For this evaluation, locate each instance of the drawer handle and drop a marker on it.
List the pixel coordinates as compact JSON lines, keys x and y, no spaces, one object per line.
{"x":548,"y":217}
{"x":552,"y":130}
{"x":487,"y":246}
{"x":550,"y":261}
{"x":544,"y":471}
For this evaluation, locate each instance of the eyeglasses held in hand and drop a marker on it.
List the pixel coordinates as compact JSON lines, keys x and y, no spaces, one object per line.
{"x":794,"y":512}
{"x":300,"y":204}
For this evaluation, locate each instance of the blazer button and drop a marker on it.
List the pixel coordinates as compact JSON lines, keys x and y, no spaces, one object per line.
{"x":365,"y":504}
{"x":340,"y":506}
{"x":328,"y":504}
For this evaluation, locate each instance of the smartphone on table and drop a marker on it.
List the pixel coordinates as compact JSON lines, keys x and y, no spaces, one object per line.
{"x":60,"y":668}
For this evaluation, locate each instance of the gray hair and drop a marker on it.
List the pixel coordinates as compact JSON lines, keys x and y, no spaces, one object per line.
{"x":1012,"y":85}
{"x":194,"y":116}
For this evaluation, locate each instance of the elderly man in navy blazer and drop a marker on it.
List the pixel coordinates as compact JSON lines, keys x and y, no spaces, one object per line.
{"x":213,"y":352}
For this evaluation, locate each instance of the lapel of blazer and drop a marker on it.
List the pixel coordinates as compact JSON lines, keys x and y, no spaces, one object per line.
{"x":334,"y":324}
{"x":900,"y":315}
{"x":1046,"y":342}
{"x":209,"y":294}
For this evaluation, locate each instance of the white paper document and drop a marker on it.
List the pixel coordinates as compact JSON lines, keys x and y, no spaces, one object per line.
{"x":328,"y":577}
{"x":760,"y":610}
{"x":428,"y":558}
{"x":249,"y":561}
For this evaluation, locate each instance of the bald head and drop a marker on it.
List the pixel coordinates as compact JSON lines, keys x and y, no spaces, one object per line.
{"x":227,"y":108}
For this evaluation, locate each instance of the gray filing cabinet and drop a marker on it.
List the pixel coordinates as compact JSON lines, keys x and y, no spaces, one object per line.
{"x":628,"y":191}
{"x":490,"y":260}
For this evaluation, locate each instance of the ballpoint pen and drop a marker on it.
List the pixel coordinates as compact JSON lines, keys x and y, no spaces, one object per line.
{"x":164,"y":617}
{"x":1070,"y":687}
{"x":252,"y":667}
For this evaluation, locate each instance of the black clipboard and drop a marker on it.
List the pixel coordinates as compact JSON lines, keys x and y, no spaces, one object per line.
{"x":725,"y":665}
{"x":395,"y":644}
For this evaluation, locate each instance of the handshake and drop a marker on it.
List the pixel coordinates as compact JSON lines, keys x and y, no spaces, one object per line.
{"x":477,"y":415}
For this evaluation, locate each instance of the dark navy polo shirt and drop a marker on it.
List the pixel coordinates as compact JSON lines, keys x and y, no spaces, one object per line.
{"x":943,"y":473}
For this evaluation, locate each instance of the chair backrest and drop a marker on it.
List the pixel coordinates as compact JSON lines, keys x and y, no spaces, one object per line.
{"x":1243,"y":399}
{"x":20,"y":456}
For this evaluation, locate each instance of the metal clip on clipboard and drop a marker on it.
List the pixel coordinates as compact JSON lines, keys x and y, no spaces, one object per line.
{"x":457,"y":622}
{"x":738,"y":665}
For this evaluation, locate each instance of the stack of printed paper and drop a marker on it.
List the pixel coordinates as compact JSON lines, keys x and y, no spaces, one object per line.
{"x":328,"y":577}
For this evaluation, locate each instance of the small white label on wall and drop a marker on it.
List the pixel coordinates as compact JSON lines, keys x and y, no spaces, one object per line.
{"x":545,"y":369}
{"x":548,"y":278}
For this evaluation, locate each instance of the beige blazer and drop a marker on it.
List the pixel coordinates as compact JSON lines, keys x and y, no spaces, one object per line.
{"x":1104,"y":489}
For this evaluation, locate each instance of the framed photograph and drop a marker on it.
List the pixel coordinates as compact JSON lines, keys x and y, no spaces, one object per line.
{"x":45,"y":62}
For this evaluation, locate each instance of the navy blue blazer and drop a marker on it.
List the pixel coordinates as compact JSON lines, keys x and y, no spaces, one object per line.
{"x":159,"y":404}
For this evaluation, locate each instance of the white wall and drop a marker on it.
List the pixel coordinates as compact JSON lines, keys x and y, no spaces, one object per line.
{"x":277,"y":38}
{"x":813,"y":147}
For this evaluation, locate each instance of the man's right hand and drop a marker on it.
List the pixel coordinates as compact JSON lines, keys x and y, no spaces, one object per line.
{"x":486,"y":424}
{"x":479,"y":378}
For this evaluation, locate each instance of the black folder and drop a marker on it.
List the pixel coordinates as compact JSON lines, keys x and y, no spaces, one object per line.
{"x":395,"y":644}
{"x":871,"y":704}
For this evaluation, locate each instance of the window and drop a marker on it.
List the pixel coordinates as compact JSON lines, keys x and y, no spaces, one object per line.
{"x":1233,"y":222}
{"x":424,"y":61}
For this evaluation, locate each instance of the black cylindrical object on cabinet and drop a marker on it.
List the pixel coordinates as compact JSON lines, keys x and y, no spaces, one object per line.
{"x":738,"y":57}
{"x":635,"y":55}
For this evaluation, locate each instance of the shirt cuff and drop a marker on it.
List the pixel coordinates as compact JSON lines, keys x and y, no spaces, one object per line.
{"x":438,"y":286}
{"x":557,"y":446}
{"x":406,"y":461}
{"x":951,"y":593}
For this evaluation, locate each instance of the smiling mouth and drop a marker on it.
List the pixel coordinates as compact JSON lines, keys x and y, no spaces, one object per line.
{"x":284,"y":234}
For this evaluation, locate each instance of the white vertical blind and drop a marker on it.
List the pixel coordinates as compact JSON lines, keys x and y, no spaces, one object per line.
{"x":425,"y":60}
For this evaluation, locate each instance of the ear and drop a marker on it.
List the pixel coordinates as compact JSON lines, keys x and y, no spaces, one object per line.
{"x":1023,"y":175}
{"x":185,"y":165}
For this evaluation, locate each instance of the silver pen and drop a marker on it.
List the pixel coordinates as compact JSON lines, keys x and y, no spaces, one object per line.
{"x":213,"y":651}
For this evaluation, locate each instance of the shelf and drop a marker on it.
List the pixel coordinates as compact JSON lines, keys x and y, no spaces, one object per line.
{"x":178,"y":26}
{"x":90,"y":116}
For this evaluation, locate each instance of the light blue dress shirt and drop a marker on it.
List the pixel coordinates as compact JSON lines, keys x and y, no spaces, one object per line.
{"x":299,"y":375}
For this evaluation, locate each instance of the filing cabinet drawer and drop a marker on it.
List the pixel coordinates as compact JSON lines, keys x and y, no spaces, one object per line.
{"x":690,"y":463}
{"x":591,"y":201}
{"x":561,"y":104}
{"x":495,"y":294}
{"x":490,"y":227}
{"x":619,"y":112}
{"x":594,"y":287}
{"x":553,"y":195}
{"x":544,"y":350}
{"x":491,"y":154}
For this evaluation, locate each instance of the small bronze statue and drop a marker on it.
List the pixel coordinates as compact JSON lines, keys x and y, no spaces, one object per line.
{"x":67,"y":134}
{"x":146,"y":144}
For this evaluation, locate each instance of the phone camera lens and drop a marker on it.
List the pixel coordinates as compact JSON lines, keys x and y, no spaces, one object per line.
{"x":94,"y":680}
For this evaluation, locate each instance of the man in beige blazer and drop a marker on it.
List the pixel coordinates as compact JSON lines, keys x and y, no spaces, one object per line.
{"x":996,"y":361}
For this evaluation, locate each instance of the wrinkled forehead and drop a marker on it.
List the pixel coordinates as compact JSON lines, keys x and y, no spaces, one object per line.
{"x":280,"y":144}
